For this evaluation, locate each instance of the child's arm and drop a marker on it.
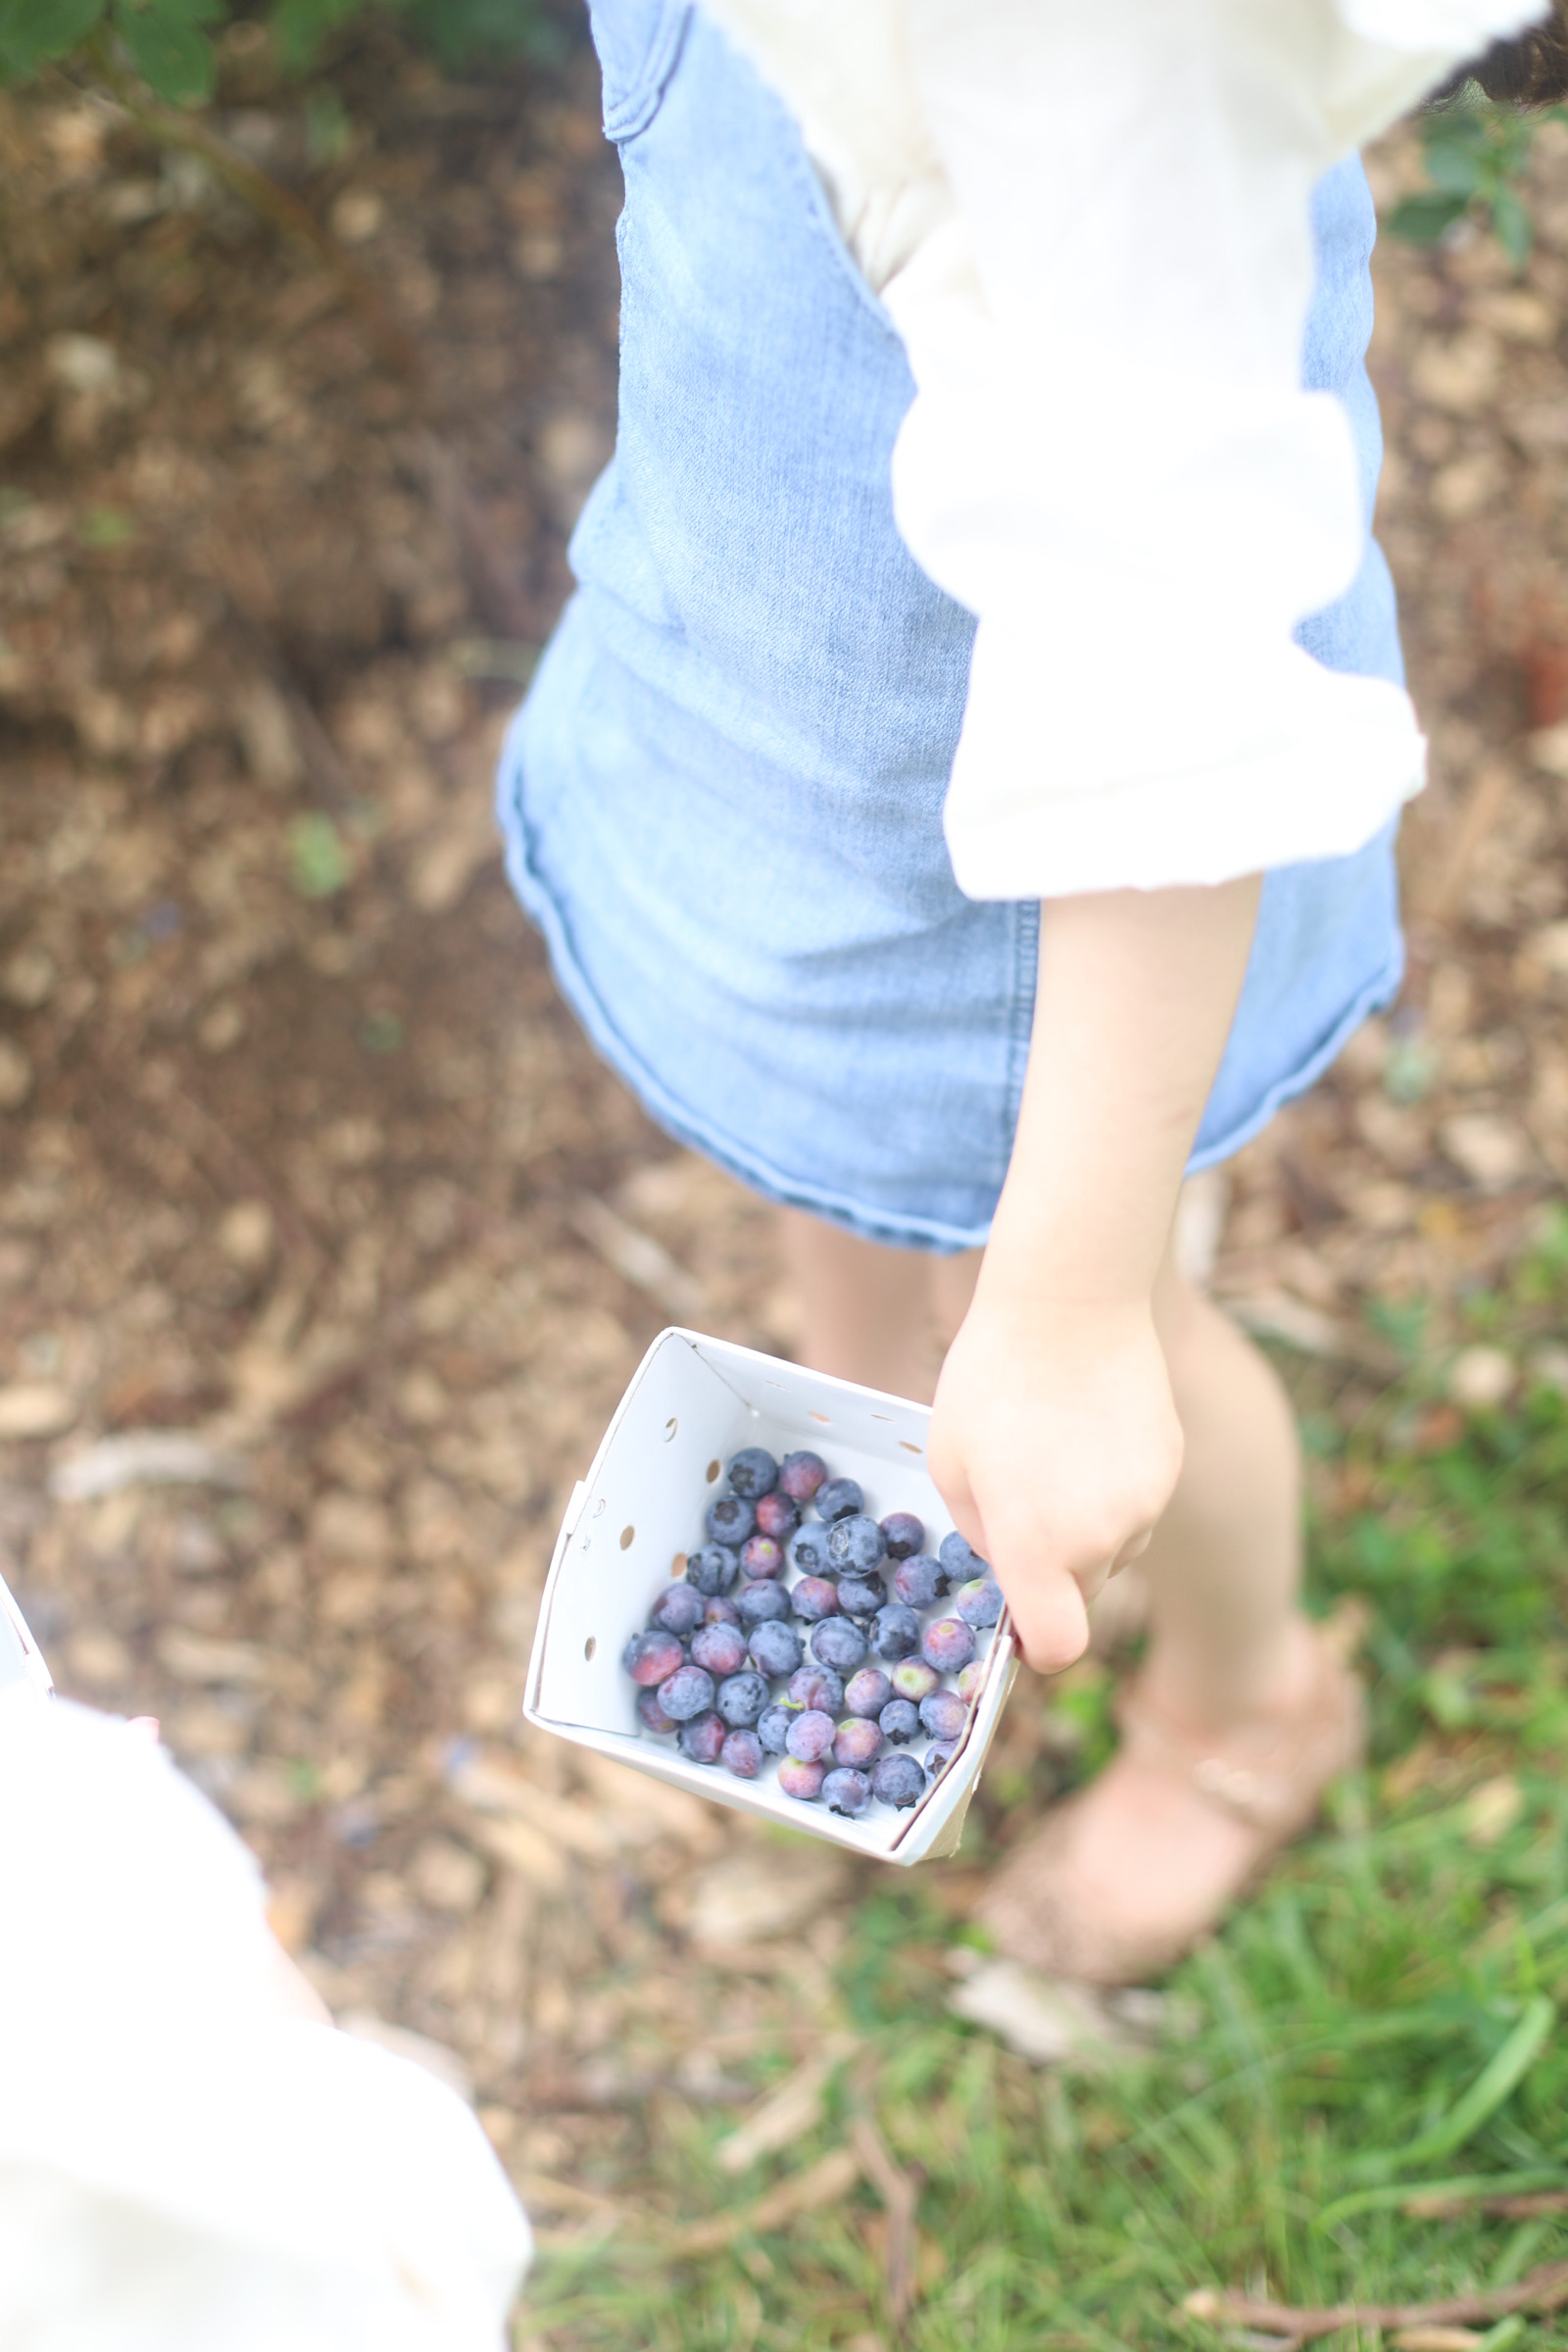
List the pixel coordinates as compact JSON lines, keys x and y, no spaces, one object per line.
{"x":1054,"y":1440}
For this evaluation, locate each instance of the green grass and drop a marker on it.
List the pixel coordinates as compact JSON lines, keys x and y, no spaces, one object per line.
{"x":1380,"y":2021}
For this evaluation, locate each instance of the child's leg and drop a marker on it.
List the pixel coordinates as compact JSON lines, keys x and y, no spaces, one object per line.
{"x":866,"y":1307}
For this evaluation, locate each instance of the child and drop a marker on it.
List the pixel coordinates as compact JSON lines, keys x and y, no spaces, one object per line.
{"x":960,"y":798}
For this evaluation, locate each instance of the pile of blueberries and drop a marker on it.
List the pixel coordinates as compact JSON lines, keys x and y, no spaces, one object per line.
{"x":861,"y":1670}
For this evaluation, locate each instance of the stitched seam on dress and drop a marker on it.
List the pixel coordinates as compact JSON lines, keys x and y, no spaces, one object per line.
{"x":1020,"y":1019}
{"x":636,"y":109}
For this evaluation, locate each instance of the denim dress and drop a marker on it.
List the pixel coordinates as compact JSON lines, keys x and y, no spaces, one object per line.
{"x":722,"y":798}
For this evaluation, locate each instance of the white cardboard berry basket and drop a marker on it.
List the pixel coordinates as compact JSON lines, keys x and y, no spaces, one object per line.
{"x":692,"y":1404}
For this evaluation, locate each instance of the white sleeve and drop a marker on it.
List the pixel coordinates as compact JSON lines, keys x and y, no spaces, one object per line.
{"x":181,"y":2164}
{"x":1109,"y":459}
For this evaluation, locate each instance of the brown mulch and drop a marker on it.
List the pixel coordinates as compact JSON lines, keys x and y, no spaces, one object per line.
{"x":302,"y":1154}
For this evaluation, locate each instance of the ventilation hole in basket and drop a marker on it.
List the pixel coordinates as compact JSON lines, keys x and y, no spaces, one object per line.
{"x":907,"y":1447}
{"x":881,"y":1416}
{"x":822,"y":1417}
{"x":712,"y":1472}
{"x":599,"y":1508}
{"x":590,"y":1645}
{"x":678,"y":1566}
{"x":670,"y":1427}
{"x":627,"y":1538}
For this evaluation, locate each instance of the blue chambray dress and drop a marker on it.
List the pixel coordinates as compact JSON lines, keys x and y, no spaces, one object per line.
{"x":722,"y":798}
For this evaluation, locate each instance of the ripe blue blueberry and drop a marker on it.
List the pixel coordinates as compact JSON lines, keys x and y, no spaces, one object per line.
{"x":753,"y":1472}
{"x":959,"y":1559}
{"x":903,"y":1534}
{"x":857,"y":1742}
{"x":713,"y":1570}
{"x":979,"y":1601}
{"x":775,"y":1647}
{"x":702,"y":1741}
{"x":650,"y":1658}
{"x":939,"y":1755}
{"x":839,"y":1498}
{"x":719,"y":1649}
{"x":742,"y":1754}
{"x":801,"y":1474}
{"x":947,"y":1644}
{"x":772,"y":1726}
{"x":810,"y":1736}
{"x":818,"y":1687}
{"x":678,"y":1610}
{"x":867,"y":1692}
{"x":944,"y":1714}
{"x":912,"y":1678}
{"x":718,"y":1610}
{"x":762,"y":1557}
{"x":808,"y":1551}
{"x":919,"y":1580}
{"x":838,"y":1644}
{"x":899,"y":1721}
{"x":801,"y":1779}
{"x":651,"y":1715}
{"x":895,"y":1633}
{"x":897,"y":1781}
{"x":846,"y":1792}
{"x":777,"y":1516}
{"x":758,"y":1602}
{"x":812,"y":1598}
{"x":688,"y":1691}
{"x":861,"y":1596}
{"x":741,"y":1700}
{"x":854,"y":1544}
{"x":730,"y":1520}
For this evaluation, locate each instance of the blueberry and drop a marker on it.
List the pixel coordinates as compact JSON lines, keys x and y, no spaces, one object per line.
{"x":912,"y":1678}
{"x":897,"y":1781}
{"x":944,"y":1714}
{"x":758,"y":1602}
{"x":775,"y":1649}
{"x":838,"y":1644}
{"x":899,"y":1721}
{"x":650,"y":1658}
{"x":867,"y":1692}
{"x":772,"y":1727}
{"x":979,"y":1601}
{"x":903,"y":1534}
{"x":713,"y":1570}
{"x":801,"y":1779}
{"x":816,"y":1687}
{"x":808,"y":1551}
{"x":651,"y":1715}
{"x":839,"y":1498}
{"x":856,"y":1741}
{"x":959,"y":1557}
{"x":678,"y":1610}
{"x":730,"y":1520}
{"x":810,"y":1736}
{"x":919,"y":1580}
{"x":718,"y":1610}
{"x":702,"y":1741}
{"x":777,"y":1516}
{"x":895,"y":1633}
{"x":847,"y":1792}
{"x":760,"y":1556}
{"x":939,"y":1755}
{"x":720,"y":1650}
{"x":741,"y":1700}
{"x":815,"y":1598}
{"x":947,"y":1644}
{"x":971,"y":1681}
{"x":861,"y":1595}
{"x":742,"y":1754}
{"x":753,"y":1472}
{"x":801,"y":1474}
{"x":686,"y":1692}
{"x":854,"y":1544}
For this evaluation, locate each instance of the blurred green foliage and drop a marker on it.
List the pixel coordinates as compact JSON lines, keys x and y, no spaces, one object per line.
{"x":1476,"y":154}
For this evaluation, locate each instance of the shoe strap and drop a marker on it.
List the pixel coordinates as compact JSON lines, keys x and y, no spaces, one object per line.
{"x":1259,"y":1784}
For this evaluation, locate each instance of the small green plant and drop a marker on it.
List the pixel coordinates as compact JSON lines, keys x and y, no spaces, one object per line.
{"x":1476,"y":154}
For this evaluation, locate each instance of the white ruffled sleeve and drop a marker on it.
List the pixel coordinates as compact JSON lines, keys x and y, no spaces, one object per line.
{"x":1109,"y":459}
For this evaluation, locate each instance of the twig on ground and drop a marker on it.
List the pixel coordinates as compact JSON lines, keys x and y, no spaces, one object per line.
{"x":898,"y":2193}
{"x":830,"y":2177}
{"x":636,"y":1257}
{"x":1544,"y":2289}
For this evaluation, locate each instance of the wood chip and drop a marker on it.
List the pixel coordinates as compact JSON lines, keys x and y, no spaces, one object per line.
{"x":788,"y":2113}
{"x":821,"y":2184}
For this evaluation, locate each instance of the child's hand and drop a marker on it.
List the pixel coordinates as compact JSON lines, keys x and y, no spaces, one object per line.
{"x":1055,"y":1445}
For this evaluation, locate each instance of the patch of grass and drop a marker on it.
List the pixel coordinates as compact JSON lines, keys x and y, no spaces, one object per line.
{"x":1380,"y":2021}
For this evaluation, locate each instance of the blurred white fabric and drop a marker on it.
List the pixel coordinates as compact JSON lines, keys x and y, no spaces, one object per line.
{"x":185,"y":2165}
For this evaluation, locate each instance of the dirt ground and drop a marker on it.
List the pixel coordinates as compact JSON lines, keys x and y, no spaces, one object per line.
{"x":304,"y":1161}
